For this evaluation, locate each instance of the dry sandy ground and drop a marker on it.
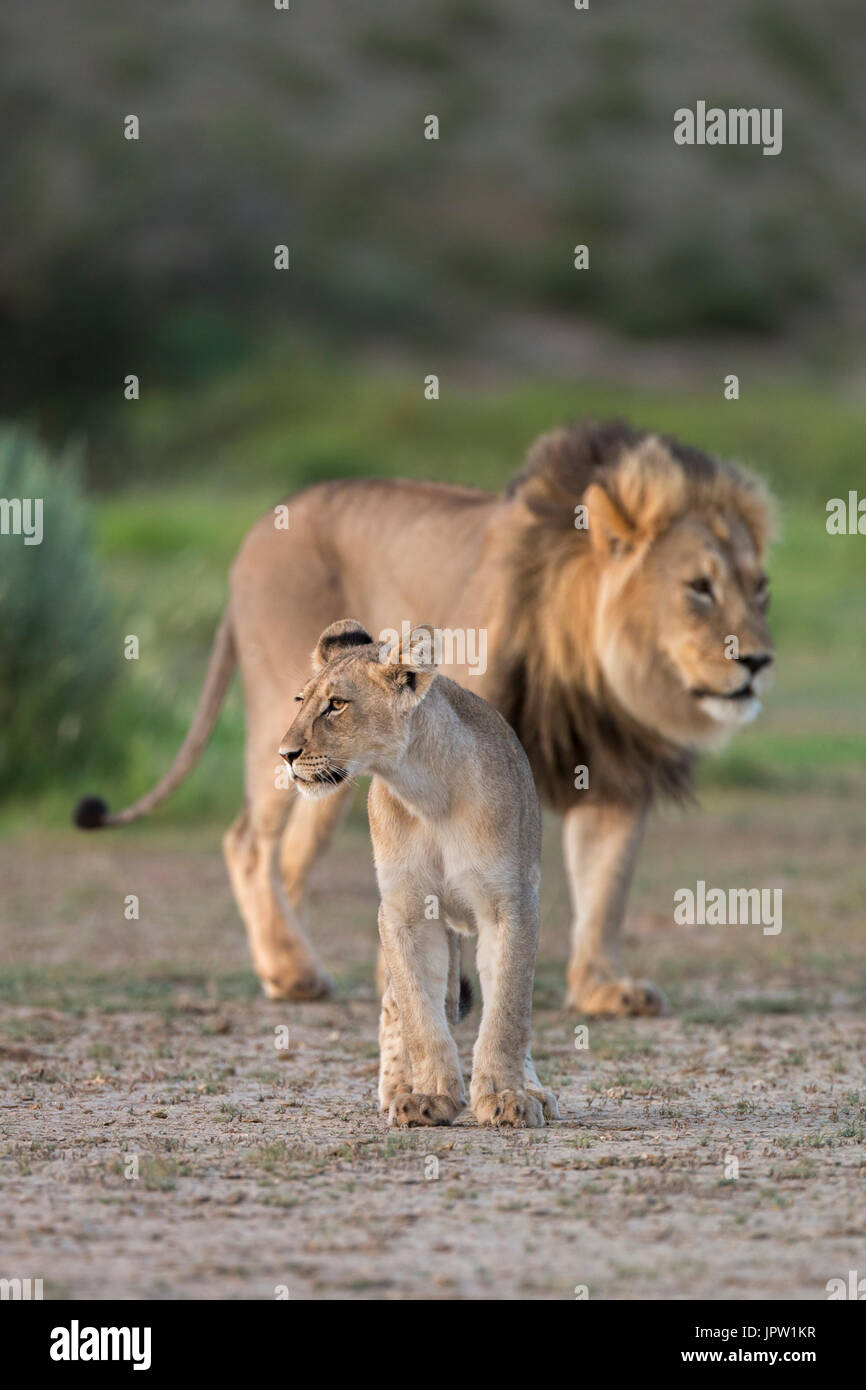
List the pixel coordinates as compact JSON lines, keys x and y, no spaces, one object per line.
{"x":716,"y":1153}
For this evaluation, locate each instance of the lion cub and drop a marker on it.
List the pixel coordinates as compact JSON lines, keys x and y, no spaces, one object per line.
{"x":456,"y":834}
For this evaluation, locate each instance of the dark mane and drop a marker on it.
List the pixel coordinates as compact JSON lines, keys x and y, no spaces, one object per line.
{"x":569,"y":459}
{"x":562,"y":728}
{"x":566,"y":723}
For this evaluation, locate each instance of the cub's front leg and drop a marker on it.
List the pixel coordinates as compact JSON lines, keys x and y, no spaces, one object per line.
{"x":505,"y":1091}
{"x":432,"y":1086}
{"x":395,"y":1072}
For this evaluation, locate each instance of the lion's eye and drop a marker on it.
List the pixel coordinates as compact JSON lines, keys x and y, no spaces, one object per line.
{"x":335,"y":705}
{"x":762,"y":590}
{"x":299,"y":699}
{"x":701,"y":588}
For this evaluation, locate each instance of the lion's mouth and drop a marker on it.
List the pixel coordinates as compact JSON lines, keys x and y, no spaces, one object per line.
{"x":745,"y":692}
{"x":731,"y":709}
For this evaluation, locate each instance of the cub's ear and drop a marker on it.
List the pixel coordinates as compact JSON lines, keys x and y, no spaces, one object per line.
{"x":406,"y":668}
{"x":416,"y":647}
{"x":338,"y":639}
{"x":609,"y":530}
{"x":409,"y":683}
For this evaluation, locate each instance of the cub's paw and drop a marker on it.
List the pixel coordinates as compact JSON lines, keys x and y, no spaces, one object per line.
{"x":390,"y":1087}
{"x":616,"y":998}
{"x":547,"y":1100}
{"x":510,"y":1110}
{"x":413,"y":1108}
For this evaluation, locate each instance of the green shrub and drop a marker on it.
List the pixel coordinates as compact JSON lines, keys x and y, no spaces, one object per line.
{"x":58,"y":648}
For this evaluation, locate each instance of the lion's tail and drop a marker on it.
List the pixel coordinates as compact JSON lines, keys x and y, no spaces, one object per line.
{"x":92,"y":813}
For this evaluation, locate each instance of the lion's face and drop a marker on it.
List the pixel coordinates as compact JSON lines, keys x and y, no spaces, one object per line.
{"x":354,"y":716}
{"x":682,"y":632}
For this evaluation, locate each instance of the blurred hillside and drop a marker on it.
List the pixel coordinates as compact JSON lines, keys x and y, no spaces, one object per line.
{"x":305,"y":127}
{"x":260,"y":126}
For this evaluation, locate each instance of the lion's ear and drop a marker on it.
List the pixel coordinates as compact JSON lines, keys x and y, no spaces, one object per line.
{"x":609,"y":530}
{"x":650,"y":487}
{"x":647,"y":490}
{"x":337,"y":639}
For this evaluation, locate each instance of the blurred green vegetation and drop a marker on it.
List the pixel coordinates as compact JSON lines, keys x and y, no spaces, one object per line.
{"x":203,"y":462}
{"x":58,"y":654}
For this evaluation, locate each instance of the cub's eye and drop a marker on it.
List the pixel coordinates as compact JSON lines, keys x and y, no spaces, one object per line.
{"x":299,"y":699}
{"x":762,"y":590}
{"x":336,"y":706}
{"x":701,"y":588}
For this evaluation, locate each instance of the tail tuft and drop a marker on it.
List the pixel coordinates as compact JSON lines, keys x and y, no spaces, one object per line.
{"x":464,"y":1004}
{"x":90,"y":813}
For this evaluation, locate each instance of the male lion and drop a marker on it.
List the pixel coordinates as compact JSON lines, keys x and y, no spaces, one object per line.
{"x":619,"y":581}
{"x":456,"y":827}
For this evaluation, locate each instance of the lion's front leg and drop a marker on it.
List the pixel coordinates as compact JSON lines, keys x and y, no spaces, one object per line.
{"x":418,"y":961}
{"x":499,"y":1091}
{"x":601,"y":845}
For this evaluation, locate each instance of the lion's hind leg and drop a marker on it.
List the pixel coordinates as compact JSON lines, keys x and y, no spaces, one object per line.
{"x":308,"y":832}
{"x":282,"y":956}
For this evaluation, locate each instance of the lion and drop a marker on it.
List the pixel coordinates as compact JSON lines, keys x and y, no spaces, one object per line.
{"x":619,"y":581}
{"x":456,"y":830}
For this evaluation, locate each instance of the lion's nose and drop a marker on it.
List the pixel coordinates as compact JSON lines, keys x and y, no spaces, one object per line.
{"x":756,"y":661}
{"x":290,"y":754}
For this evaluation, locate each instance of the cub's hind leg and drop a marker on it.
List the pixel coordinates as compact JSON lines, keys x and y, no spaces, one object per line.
{"x":454,"y":994}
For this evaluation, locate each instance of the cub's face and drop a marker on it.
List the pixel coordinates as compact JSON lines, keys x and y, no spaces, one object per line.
{"x":682,"y":630}
{"x":354,"y":716}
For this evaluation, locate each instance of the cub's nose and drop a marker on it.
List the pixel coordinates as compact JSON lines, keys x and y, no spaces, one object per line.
{"x":756,"y":661}
{"x":290,"y":754}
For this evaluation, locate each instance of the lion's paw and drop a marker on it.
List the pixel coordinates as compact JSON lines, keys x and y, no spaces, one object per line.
{"x":312,"y":984}
{"x":510,"y":1110}
{"x":617,"y":998}
{"x":413,"y":1108}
